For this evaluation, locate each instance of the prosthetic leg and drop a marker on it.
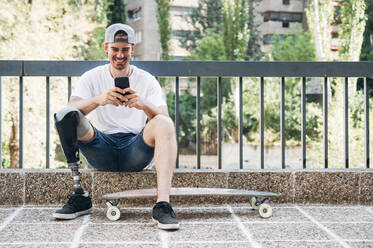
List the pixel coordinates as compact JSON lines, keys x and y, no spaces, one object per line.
{"x":67,"y":131}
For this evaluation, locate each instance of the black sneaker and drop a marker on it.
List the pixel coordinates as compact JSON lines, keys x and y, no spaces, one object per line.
{"x":164,"y":215}
{"x":78,"y":204}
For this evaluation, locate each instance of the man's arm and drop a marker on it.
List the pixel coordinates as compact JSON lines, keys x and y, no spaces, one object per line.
{"x":111,"y":96}
{"x":133,"y":100}
{"x":84,"y":105}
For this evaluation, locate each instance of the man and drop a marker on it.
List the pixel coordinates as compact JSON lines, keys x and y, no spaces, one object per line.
{"x":117,"y":138}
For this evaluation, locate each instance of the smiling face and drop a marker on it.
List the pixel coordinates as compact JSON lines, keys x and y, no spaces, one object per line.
{"x":119,"y":53}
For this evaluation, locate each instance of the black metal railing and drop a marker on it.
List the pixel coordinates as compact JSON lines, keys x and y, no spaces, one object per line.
{"x":200,"y":69}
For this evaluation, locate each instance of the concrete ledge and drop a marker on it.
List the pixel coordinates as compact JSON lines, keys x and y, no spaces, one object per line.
{"x":51,"y":187}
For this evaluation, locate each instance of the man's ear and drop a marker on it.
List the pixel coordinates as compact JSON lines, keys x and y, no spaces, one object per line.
{"x":133,"y":48}
{"x":105,"y":46}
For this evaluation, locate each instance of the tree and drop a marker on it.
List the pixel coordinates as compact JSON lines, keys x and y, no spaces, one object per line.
{"x":254,"y":52}
{"x":295,"y":47}
{"x":367,"y":46}
{"x":352,"y":26}
{"x":105,"y":13}
{"x":163,"y":18}
{"x":60,"y":27}
{"x":235,"y":29}
{"x":320,"y":16}
{"x":115,"y":12}
{"x":206,"y":17}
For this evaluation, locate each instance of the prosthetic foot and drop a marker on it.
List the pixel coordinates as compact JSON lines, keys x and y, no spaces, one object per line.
{"x":79,"y":202}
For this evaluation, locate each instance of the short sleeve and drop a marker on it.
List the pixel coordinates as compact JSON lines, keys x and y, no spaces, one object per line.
{"x":155,"y":94}
{"x":83,"y":87}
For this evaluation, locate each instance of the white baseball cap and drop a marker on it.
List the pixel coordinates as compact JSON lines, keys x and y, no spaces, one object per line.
{"x":114,"y":28}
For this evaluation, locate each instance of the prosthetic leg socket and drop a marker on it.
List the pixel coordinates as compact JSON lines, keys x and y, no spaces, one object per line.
{"x":67,"y":132}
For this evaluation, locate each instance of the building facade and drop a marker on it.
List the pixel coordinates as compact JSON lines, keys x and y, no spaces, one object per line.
{"x":272,"y":17}
{"x":279,"y":17}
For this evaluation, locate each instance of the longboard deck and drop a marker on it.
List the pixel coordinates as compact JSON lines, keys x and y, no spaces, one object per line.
{"x":144,"y":193}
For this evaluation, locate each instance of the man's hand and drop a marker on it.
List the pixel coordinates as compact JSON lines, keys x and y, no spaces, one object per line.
{"x":111,"y":96}
{"x":133,"y":100}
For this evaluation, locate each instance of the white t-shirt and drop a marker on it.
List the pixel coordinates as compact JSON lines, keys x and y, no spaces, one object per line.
{"x":111,"y":119}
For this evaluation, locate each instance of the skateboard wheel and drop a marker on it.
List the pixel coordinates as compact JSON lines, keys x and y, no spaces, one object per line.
{"x":253,"y":203}
{"x":113,"y":213}
{"x":265,"y":210}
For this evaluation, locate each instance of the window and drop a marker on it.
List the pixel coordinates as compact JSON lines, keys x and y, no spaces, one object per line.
{"x":180,"y":11}
{"x":282,"y":16}
{"x":286,"y":2}
{"x":285,"y":24}
{"x":269,"y":38}
{"x":135,"y":14}
{"x":138,"y":37}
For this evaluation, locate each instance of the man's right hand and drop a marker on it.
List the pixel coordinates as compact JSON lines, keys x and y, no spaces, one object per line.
{"x":111,"y":96}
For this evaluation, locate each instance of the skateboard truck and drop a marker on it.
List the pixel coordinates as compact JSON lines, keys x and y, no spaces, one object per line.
{"x":258,"y":201}
{"x":260,"y":204}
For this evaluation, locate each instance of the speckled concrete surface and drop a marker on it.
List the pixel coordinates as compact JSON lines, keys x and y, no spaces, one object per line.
{"x":52,"y":187}
{"x":12,"y":187}
{"x":366,"y":188}
{"x":224,"y":226}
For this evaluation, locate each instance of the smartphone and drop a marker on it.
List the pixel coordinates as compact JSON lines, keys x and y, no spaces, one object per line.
{"x":123,"y":83}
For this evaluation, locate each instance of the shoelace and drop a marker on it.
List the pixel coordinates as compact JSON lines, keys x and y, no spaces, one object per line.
{"x":71,"y":201}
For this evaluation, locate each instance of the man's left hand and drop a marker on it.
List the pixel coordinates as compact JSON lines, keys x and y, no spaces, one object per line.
{"x":133,"y":100}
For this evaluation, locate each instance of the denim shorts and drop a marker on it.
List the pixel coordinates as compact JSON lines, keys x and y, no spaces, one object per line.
{"x":125,"y":152}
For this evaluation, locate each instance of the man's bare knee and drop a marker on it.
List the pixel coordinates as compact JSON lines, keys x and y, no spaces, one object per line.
{"x":164,"y":125}
{"x":158,"y":126}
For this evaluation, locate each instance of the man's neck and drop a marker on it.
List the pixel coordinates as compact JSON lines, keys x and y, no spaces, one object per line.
{"x":126,"y":72}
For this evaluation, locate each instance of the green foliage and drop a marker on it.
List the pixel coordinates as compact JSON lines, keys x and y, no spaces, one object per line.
{"x":209,"y":123}
{"x":235,"y":29}
{"x":367,"y":47}
{"x":206,"y":16}
{"x":105,"y":13}
{"x":254,"y":52}
{"x":236,"y":19}
{"x":210,"y":47}
{"x":163,"y":18}
{"x":295,"y":47}
{"x":187,"y":116}
{"x":94,"y":50}
{"x":115,"y":11}
{"x":5,"y":163}
{"x":351,"y":29}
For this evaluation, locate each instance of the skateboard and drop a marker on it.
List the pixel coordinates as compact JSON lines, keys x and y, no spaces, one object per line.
{"x":258,"y":201}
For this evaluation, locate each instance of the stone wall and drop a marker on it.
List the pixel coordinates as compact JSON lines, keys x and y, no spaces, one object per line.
{"x":51,"y":187}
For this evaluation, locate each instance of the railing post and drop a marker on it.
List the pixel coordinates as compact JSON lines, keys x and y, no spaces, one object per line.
{"x":261,"y":100}
{"x":346,"y":122}
{"x":21,"y":122}
{"x":47,"y":152}
{"x":304,"y":147}
{"x":366,"y":110}
{"x":1,"y":121}
{"x":198,"y":141}
{"x":177,"y":118}
{"x":68,"y":88}
{"x":240,"y":124}
{"x":325,"y":107}
{"x":219,"y":122}
{"x":282,"y":123}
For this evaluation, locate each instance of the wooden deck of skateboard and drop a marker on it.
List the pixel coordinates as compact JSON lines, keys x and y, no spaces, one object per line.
{"x":151,"y":192}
